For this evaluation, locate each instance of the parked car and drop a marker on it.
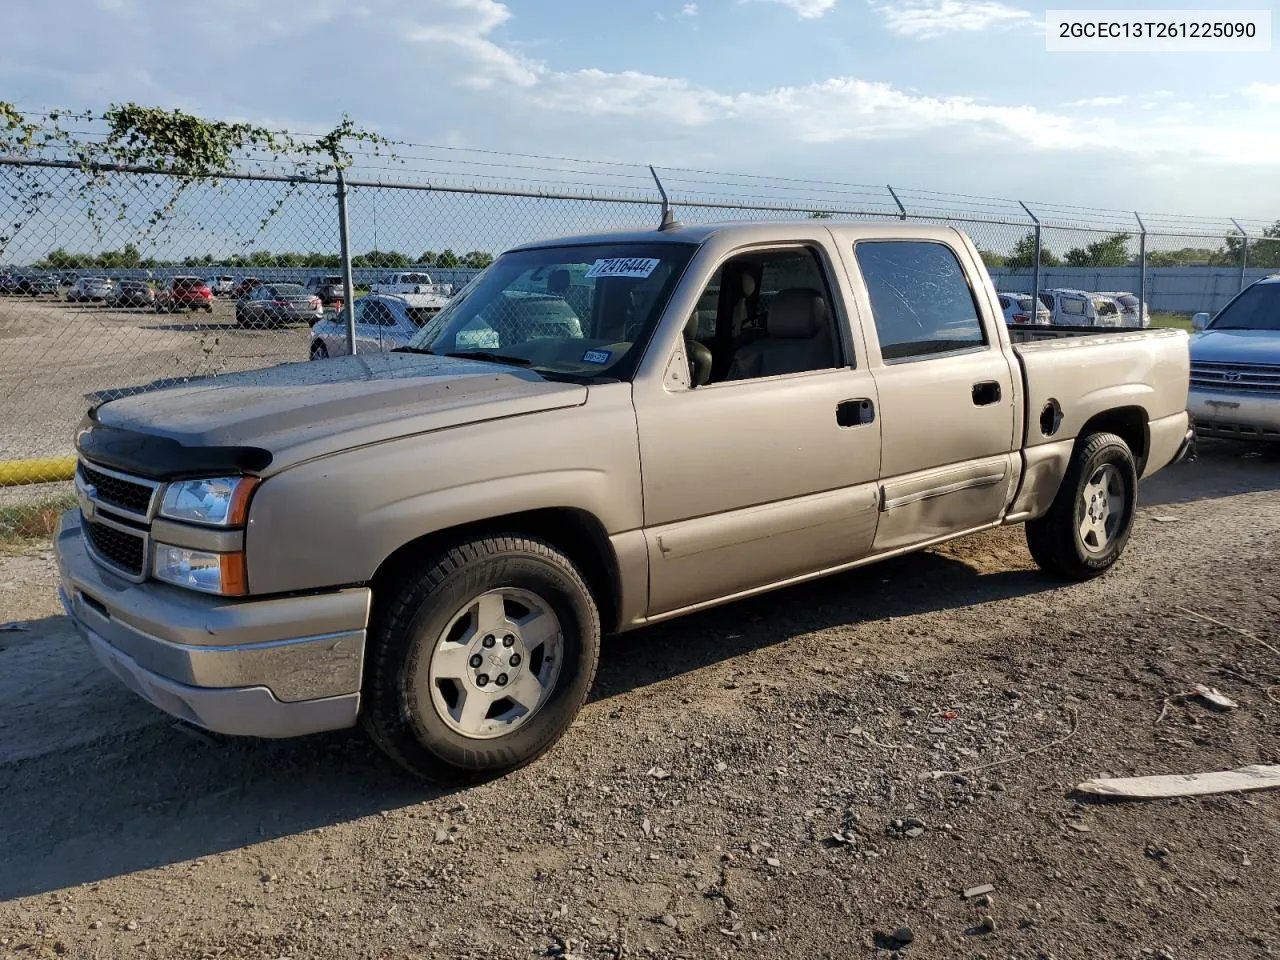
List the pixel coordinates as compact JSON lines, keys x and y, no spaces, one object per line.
{"x":410,"y":281}
{"x":1079,"y":308}
{"x":1017,"y":309}
{"x":35,"y":284}
{"x":221,"y":285}
{"x":7,"y":281}
{"x":384,"y":321}
{"x":132,"y":293}
{"x":330,"y":289}
{"x":185,"y":293}
{"x":246,"y":286}
{"x":435,"y":539}
{"x":88,"y":289}
{"x":276,"y":304}
{"x":1133,"y":312}
{"x":1235,"y":366}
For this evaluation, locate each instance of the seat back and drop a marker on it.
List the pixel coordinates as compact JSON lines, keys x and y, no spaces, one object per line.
{"x":797,"y":338}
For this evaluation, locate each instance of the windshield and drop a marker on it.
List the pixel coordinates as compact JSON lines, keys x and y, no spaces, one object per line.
{"x":289,"y":290}
{"x":1258,"y":308}
{"x":582,"y":310}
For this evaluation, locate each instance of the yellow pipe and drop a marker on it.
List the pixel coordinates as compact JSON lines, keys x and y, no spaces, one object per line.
{"x":14,"y":473}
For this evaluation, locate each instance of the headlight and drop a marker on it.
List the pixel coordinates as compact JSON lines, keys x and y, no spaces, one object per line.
{"x":220,"y":573}
{"x":220,"y":502}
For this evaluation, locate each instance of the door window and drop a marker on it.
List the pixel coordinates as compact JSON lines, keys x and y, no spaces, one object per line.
{"x":764,"y":314}
{"x":921,"y":301}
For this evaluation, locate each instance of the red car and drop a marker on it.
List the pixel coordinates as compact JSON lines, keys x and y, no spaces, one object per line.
{"x":185,"y":293}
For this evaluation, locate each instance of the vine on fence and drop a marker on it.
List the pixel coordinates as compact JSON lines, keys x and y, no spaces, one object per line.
{"x":183,"y":147}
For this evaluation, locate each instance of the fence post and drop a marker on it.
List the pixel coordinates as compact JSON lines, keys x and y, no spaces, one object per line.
{"x":348,"y":283}
{"x":902,"y":211}
{"x":1142,"y":263}
{"x":1244,"y":251}
{"x":1035,"y":272}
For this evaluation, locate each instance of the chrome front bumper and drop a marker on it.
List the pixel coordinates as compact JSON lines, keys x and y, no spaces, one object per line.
{"x":265,"y":668}
{"x":1235,"y":416}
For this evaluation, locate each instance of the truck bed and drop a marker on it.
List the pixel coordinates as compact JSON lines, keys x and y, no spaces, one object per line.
{"x":1086,"y":371}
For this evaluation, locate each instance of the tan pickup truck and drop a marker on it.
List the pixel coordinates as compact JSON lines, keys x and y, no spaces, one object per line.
{"x":597,"y":433}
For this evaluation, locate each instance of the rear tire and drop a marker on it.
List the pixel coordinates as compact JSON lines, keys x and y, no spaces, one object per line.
{"x":480,"y":659}
{"x":1086,"y":529}
{"x":319,"y":351}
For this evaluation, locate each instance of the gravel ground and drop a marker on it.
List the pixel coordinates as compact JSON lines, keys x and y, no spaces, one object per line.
{"x":799,"y":775}
{"x":52,"y":353}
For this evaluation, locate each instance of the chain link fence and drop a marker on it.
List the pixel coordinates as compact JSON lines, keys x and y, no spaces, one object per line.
{"x":98,"y":295}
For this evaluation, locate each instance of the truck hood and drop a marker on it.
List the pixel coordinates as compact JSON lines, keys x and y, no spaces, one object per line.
{"x":1236,"y":346}
{"x":298,"y":411}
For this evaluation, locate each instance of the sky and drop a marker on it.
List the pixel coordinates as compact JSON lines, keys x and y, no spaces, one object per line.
{"x":945,"y":95}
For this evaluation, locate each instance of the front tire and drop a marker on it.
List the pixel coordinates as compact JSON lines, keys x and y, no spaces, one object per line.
{"x":1086,"y":529}
{"x":481,"y":659}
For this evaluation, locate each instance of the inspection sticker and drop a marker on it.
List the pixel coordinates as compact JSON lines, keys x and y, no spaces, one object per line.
{"x":597,"y":356}
{"x":639,"y":267}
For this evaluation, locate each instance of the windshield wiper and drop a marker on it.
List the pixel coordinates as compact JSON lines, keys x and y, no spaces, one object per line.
{"x":486,"y":355}
{"x":412,"y":350}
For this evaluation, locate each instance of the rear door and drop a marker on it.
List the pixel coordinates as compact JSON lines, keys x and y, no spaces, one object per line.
{"x":946,"y":386}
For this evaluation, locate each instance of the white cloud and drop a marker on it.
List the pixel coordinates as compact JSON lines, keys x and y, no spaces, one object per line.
{"x":923,"y":19}
{"x":805,"y":9}
{"x":1263,"y":92}
{"x":1097,"y":102}
{"x":689,"y":10}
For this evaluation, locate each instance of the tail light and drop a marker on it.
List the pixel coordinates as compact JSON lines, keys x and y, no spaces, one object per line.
{"x":280,"y":302}
{"x":1021,"y":317}
{"x":315,"y":301}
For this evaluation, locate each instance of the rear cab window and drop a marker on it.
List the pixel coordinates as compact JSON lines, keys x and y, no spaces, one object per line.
{"x":921,"y":301}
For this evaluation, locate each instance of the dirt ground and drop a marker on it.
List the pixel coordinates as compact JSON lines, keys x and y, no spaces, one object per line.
{"x":935,"y":711}
{"x":52,"y":353}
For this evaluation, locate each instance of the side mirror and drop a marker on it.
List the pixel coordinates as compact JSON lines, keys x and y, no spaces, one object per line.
{"x":1199,"y":321}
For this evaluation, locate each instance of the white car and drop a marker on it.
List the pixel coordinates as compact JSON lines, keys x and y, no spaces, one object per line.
{"x":1079,"y":308}
{"x":1017,"y":309}
{"x":1134,"y":312}
{"x":221,"y":285}
{"x":384,"y":321}
{"x":411,"y":282}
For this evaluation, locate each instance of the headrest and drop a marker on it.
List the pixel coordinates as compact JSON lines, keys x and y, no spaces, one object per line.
{"x":748,"y":284}
{"x":796,"y":313}
{"x":558,"y":281}
{"x":694,"y":323}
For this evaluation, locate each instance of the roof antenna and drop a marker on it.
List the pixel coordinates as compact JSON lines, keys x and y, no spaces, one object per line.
{"x":668,"y":220}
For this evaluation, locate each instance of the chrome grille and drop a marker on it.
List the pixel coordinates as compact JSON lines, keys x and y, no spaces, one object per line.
{"x":1236,"y":377}
{"x":127,"y":494}
{"x":116,"y":546}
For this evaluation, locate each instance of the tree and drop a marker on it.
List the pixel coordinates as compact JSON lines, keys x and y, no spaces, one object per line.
{"x":380,"y":260}
{"x":477,"y":259}
{"x":992,"y":259}
{"x":447,"y":259}
{"x":1187,"y":256}
{"x":819,"y":215}
{"x":427,"y":258}
{"x":1111,"y":252}
{"x":1023,"y":253}
{"x":1261,"y":253}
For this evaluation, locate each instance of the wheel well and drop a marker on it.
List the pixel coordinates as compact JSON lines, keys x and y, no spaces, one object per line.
{"x":1129,"y":424}
{"x":578,"y":533}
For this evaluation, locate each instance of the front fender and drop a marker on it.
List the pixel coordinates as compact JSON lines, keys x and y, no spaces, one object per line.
{"x":331,"y":521}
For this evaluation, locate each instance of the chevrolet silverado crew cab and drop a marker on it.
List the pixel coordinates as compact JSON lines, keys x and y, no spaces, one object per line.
{"x":597,"y":433}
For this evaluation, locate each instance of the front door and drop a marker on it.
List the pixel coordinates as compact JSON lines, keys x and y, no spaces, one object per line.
{"x":767,"y":471}
{"x":948,"y":398}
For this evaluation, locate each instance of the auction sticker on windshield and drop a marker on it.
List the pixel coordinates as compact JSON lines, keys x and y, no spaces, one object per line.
{"x":638,"y":267}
